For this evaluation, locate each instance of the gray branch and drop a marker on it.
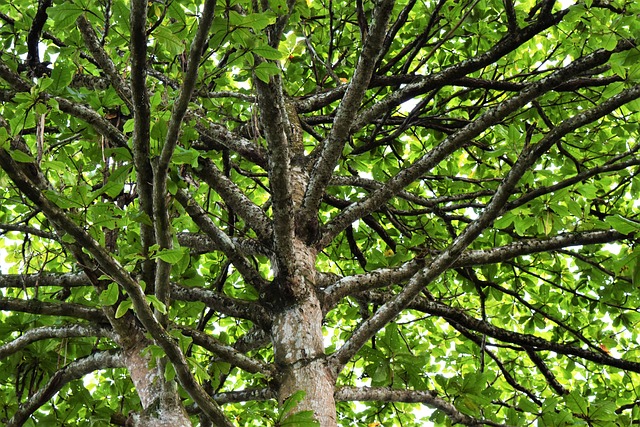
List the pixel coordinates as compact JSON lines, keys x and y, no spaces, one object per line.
{"x":227,"y":353}
{"x":340,"y":131}
{"x":73,"y":371}
{"x":48,"y":332}
{"x":427,"y":397}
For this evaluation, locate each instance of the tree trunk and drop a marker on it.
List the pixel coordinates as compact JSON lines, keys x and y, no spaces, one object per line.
{"x":298,"y":342}
{"x":160,"y":401}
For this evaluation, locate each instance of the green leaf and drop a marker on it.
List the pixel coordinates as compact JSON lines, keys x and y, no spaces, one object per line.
{"x":576,"y":402}
{"x":300,"y":419}
{"x":64,"y":14}
{"x":62,"y":201}
{"x":110,"y":295}
{"x":267,"y":52}
{"x":171,"y":256}
{"x":265,"y":70}
{"x":157,"y":304}
{"x":168,"y":40}
{"x":255,"y":21}
{"x":621,"y":224}
{"x":291,"y":402}
{"x":183,"y":156}
{"x":61,"y":76}
{"x":21,"y":157}
{"x":122,"y":308}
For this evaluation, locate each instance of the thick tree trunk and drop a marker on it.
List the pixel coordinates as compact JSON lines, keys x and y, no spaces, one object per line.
{"x":160,"y":401}
{"x":298,"y":342}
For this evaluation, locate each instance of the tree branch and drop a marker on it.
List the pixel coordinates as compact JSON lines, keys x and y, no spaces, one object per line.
{"x":252,"y":214}
{"x":277,"y":129}
{"x":102,"y":126}
{"x":53,"y":309}
{"x":103,"y":60}
{"x":224,"y":137}
{"x":445,"y":259}
{"x":141,"y":131}
{"x":255,"y":395}
{"x":347,"y":110}
{"x":73,"y":371}
{"x":453,"y":142}
{"x":27,"y":230}
{"x":223,"y":304}
{"x":47,"y":332}
{"x":427,"y":397}
{"x":227,"y":353}
{"x":222,"y":241}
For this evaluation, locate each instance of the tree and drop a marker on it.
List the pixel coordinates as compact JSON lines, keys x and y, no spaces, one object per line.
{"x":259,"y":213}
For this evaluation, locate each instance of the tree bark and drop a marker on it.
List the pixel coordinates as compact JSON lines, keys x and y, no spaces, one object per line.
{"x":160,"y":401}
{"x":298,"y":342}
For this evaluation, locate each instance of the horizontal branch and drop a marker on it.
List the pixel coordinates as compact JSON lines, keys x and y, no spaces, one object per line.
{"x":427,"y":397}
{"x":355,"y":284}
{"x":200,"y":243}
{"x":53,"y":309}
{"x":63,"y":280}
{"x":254,"y":395}
{"x":25,"y":229}
{"x":48,"y":332}
{"x":73,"y":371}
{"x":222,"y":136}
{"x":460,"y":317}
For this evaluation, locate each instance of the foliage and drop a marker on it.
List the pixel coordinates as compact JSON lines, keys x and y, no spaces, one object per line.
{"x":465,"y":171}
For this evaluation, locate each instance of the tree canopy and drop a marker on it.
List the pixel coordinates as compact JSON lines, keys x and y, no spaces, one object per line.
{"x":319,"y":212}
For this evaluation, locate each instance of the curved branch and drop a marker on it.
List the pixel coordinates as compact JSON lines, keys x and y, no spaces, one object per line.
{"x":101,"y":125}
{"x":427,"y":397}
{"x":223,"y":304}
{"x":227,"y":353}
{"x":27,"y":230}
{"x":73,"y":371}
{"x":47,"y":332}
